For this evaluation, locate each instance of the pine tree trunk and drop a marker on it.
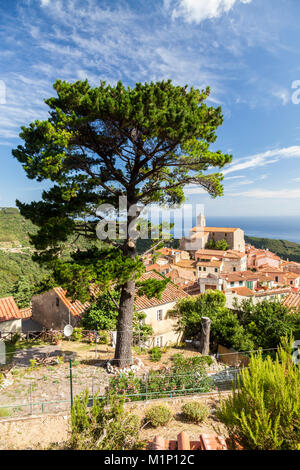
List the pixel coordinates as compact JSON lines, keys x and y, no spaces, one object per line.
{"x":205,"y":335}
{"x":123,"y":355}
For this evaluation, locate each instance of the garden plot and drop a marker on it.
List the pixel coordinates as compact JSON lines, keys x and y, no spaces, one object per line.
{"x":32,"y":388}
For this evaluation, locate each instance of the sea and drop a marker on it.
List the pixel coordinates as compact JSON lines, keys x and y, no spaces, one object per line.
{"x":278,"y":228}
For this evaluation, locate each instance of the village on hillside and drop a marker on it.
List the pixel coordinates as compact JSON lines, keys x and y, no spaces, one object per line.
{"x":240,"y":271}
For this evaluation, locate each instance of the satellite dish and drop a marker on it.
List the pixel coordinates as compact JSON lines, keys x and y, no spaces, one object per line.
{"x":68,"y":330}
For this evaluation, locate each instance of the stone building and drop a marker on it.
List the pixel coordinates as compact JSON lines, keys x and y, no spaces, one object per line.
{"x":201,"y":234}
{"x":53,"y":310}
{"x":11,"y":316}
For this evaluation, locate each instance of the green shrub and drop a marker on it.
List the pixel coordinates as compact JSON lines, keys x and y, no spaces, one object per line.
{"x":155,"y":354}
{"x":103,"y":337}
{"x":158,"y":415}
{"x":264,"y":411}
{"x":162,"y":383}
{"x":15,"y":338}
{"x":77,"y":334}
{"x":103,"y":427}
{"x":190,"y":363}
{"x":195,"y":412}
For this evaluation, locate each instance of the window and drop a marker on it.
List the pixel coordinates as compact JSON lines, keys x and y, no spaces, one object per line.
{"x":234,"y":269}
{"x":57,"y":302}
{"x":216,"y":270}
{"x":200,"y":268}
{"x":159,"y":341}
{"x":204,"y":269}
{"x":276,"y":278}
{"x":225,"y":234}
{"x":240,"y":283}
{"x":159,"y":315}
{"x":232,"y":283}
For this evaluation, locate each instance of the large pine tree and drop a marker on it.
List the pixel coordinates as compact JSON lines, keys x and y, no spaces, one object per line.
{"x":145,"y":143}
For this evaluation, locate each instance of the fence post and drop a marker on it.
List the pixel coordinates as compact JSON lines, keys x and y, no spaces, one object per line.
{"x":31,"y":406}
{"x":71,"y":384}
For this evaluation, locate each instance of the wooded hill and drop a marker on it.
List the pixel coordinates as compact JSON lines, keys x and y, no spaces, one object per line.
{"x":283,"y":248}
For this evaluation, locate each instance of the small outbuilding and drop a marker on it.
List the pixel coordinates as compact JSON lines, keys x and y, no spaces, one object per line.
{"x":11,"y":316}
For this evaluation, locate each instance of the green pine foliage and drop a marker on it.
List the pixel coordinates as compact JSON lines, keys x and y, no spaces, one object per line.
{"x":99,"y":144}
{"x":263,"y":412}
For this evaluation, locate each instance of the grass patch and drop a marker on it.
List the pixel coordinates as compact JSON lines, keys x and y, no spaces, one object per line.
{"x":5,"y":412}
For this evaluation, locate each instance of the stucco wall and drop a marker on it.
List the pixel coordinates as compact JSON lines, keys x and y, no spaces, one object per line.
{"x":50,"y":313}
{"x":163,"y":327}
{"x":12,"y":326}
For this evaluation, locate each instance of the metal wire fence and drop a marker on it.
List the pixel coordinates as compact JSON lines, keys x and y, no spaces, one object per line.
{"x":52,"y":388}
{"x":46,"y":379}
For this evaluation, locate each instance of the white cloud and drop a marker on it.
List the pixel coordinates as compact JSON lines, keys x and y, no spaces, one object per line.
{"x":283,"y":95}
{"x":269,"y":194}
{"x":234,"y":177}
{"x":262,"y":159}
{"x":199,"y":10}
{"x":194,"y":189}
{"x":45,"y":3}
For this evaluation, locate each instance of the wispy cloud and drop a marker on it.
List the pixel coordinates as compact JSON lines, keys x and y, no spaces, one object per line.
{"x":263,"y":159}
{"x":199,"y":10}
{"x":283,"y":95}
{"x":269,"y":194}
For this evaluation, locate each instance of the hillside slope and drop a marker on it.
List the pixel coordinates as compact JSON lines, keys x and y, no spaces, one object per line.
{"x":283,"y":248}
{"x":14,"y":229}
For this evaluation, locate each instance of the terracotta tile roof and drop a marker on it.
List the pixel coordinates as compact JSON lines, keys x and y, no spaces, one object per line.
{"x":26,"y":312}
{"x":230,"y":254}
{"x":233,"y":254}
{"x":292,"y":275}
{"x":151,"y":267}
{"x":215,"y":229}
{"x":284,"y":290}
{"x":171,"y":293}
{"x":173,"y":274}
{"x":240,"y":276}
{"x":265,"y":268}
{"x":292,"y":300}
{"x":183,"y":442}
{"x":244,"y":291}
{"x":76,"y":308}
{"x":213,"y":264}
{"x":186,"y":263}
{"x":210,"y":253}
{"x":170,"y":251}
{"x":10,"y":311}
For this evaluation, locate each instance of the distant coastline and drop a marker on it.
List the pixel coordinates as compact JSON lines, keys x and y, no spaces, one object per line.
{"x":276,"y":228}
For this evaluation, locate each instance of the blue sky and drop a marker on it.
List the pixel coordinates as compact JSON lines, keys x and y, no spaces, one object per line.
{"x":247,"y":51}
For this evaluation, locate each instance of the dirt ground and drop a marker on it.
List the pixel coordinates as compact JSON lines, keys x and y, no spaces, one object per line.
{"x":46,"y":388}
{"x":29,"y":433}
